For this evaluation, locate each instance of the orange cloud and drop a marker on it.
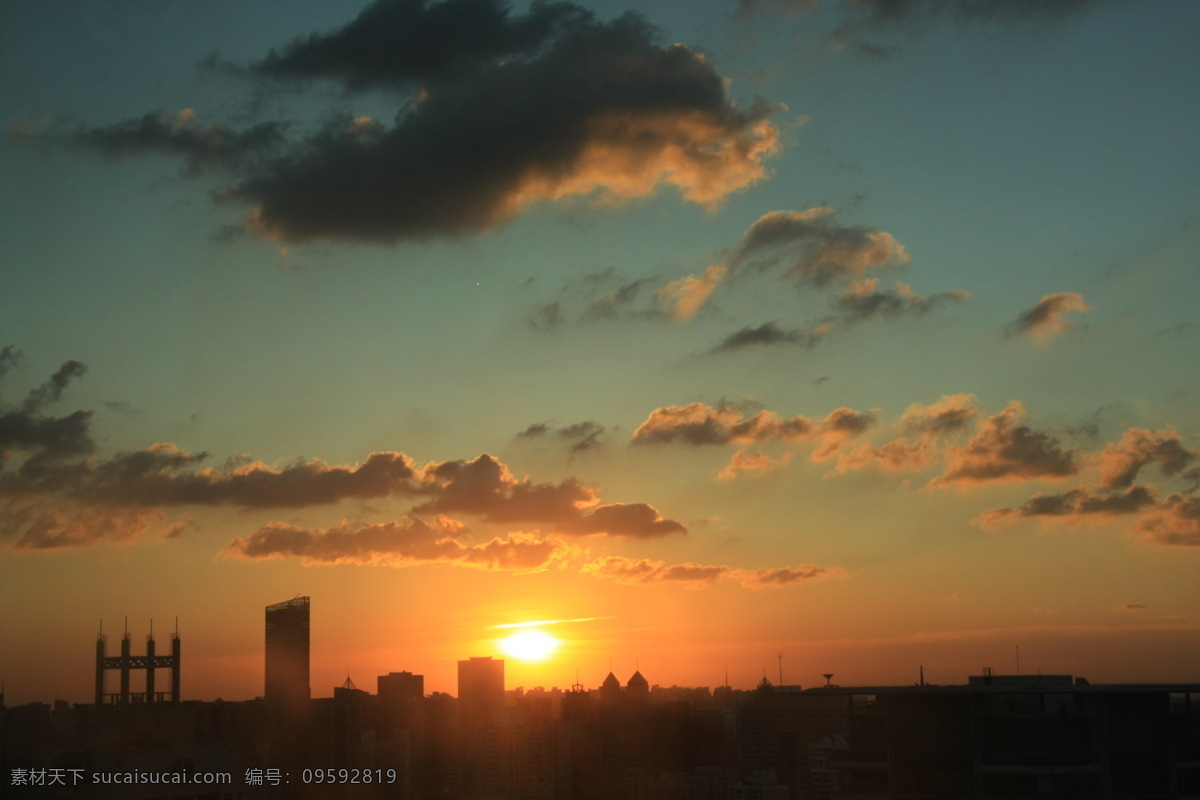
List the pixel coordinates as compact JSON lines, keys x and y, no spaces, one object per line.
{"x":399,"y":544}
{"x":1121,"y":462}
{"x":686,"y":296}
{"x":1048,"y":317}
{"x":756,"y":463}
{"x":928,"y":423}
{"x":700,"y":424}
{"x":1174,"y":521}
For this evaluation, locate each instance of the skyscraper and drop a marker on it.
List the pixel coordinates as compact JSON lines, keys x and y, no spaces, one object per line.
{"x":480,"y":690}
{"x":287,"y":653}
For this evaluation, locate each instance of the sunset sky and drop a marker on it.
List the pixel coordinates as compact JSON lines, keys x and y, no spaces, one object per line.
{"x":858,"y":332}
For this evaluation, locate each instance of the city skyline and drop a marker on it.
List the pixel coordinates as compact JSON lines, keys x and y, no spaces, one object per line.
{"x":813,"y":337}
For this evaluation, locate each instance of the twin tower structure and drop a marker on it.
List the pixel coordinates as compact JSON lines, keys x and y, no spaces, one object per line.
{"x":127,"y":663}
{"x":286,"y":661}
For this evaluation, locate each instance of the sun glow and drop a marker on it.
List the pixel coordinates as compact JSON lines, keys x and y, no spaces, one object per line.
{"x":529,"y":645}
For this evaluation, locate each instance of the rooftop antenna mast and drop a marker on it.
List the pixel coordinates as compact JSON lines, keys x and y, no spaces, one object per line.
{"x":781,"y":669}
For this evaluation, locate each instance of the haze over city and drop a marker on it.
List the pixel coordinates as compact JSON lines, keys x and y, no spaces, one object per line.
{"x":707,"y":341}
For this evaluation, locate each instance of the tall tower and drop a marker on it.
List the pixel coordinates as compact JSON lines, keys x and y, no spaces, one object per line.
{"x":287,"y":653}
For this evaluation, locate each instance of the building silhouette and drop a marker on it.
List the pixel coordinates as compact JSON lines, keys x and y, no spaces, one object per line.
{"x":287,"y":641}
{"x":127,"y":663}
{"x":480,"y":690}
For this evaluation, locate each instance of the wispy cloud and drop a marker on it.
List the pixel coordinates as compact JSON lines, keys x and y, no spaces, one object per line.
{"x":643,"y":570}
{"x":1048,"y":318}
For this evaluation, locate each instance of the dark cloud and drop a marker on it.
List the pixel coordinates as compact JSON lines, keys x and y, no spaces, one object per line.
{"x":769,"y":333}
{"x":911,"y":17}
{"x":582,"y":435}
{"x":202,"y":146}
{"x":701,"y":424}
{"x":52,"y":390}
{"x":408,"y":542}
{"x":1005,"y":450}
{"x":1174,"y":520}
{"x":863,"y":301}
{"x":38,"y":441}
{"x":484,"y":487}
{"x":600,"y":296}
{"x":547,"y":317}
{"x":165,"y":476}
{"x":495,"y":111}
{"x":622,"y":303}
{"x":813,"y":248}
{"x":1074,"y":506}
{"x":1048,"y":316}
{"x":52,"y":496}
{"x":392,"y":43}
{"x":10,"y":356}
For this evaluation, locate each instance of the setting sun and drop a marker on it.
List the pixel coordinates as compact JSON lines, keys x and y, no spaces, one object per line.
{"x":529,"y":645}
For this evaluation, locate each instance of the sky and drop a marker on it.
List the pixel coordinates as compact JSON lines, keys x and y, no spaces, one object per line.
{"x":723,"y":339}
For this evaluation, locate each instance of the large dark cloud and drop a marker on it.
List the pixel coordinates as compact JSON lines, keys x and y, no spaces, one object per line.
{"x":495,"y":111}
{"x":393,"y":43}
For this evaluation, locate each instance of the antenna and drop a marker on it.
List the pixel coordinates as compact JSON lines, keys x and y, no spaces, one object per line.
{"x":781,"y":669}
{"x":1018,"y":658}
